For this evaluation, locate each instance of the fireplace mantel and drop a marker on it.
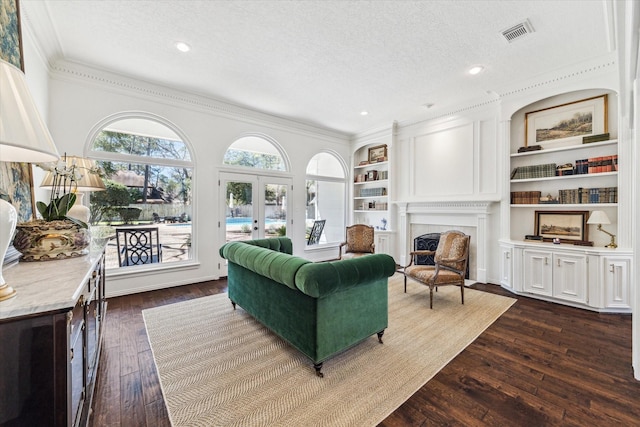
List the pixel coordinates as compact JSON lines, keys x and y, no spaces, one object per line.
{"x":449,"y":214}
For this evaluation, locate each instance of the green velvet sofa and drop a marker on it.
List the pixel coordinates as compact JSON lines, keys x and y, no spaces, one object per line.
{"x":321,"y":308}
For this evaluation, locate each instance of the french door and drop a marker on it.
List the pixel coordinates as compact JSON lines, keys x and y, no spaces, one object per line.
{"x":253,"y":207}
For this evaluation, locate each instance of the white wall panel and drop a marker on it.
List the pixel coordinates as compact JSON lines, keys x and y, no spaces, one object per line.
{"x":443,"y":162}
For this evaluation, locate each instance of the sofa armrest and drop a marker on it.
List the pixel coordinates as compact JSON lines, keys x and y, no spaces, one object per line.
{"x":324,"y":278}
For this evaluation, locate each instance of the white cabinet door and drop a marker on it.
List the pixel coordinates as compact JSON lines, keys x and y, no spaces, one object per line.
{"x":538,"y":273}
{"x":506,"y":267}
{"x":383,"y":242}
{"x":617,"y":282}
{"x":570,"y":277}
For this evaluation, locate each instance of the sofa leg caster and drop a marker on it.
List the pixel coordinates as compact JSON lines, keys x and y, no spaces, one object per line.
{"x":318,"y":368}
{"x":380,"y":334}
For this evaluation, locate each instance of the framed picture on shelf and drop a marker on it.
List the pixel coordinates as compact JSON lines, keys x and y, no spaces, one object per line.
{"x":566,"y":226}
{"x":562,"y":124}
{"x":372,"y":175}
{"x":378,"y":153}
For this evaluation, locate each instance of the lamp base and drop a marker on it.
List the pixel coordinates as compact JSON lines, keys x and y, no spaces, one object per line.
{"x":6,"y":292}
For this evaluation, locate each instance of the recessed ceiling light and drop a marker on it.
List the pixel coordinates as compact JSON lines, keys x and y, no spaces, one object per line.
{"x":475,"y":69}
{"x":364,"y":113}
{"x":183,"y":47}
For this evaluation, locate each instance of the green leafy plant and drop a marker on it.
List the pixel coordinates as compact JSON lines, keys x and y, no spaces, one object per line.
{"x":65,"y":181}
{"x":58,"y":208}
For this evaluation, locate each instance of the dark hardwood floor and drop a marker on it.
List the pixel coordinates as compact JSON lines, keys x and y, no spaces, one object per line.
{"x":540,"y":364}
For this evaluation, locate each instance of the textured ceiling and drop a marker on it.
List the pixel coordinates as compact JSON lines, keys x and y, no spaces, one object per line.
{"x":323,"y":62}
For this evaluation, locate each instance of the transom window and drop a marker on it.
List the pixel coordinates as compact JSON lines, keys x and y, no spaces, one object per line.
{"x":254,"y":152}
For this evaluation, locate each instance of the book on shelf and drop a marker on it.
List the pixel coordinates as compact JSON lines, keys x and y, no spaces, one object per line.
{"x":525,"y":197}
{"x":602,"y":164}
{"x":566,"y":169}
{"x":595,"y":138}
{"x":529,"y":148}
{"x":534,"y":171}
{"x":588,"y":195}
{"x":373,"y":192}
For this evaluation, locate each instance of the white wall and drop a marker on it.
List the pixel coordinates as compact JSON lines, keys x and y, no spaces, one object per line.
{"x":81,"y":97}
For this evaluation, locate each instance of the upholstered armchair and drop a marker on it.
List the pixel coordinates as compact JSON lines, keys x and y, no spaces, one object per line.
{"x":451,"y":258}
{"x":359,"y":241}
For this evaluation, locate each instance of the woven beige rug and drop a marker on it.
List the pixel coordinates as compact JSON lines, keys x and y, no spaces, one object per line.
{"x":219,"y":367}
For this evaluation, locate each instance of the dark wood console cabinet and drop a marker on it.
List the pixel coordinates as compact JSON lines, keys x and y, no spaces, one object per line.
{"x":50,"y":337}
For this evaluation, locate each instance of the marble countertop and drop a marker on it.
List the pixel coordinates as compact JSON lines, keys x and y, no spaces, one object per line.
{"x":44,"y":286}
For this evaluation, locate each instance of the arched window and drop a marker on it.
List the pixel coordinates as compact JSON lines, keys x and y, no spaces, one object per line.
{"x":326,"y":189}
{"x":148,"y":173}
{"x":254,"y":152}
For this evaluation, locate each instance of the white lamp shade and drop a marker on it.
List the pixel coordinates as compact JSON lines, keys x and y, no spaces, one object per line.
{"x":89,"y":181}
{"x":598,"y":217}
{"x":24,"y":136}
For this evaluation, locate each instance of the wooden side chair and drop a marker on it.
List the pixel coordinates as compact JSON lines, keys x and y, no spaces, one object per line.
{"x":138,"y":245}
{"x":451,"y":258}
{"x":359,"y":241}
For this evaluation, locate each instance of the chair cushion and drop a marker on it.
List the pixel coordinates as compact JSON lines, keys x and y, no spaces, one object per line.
{"x":451,"y":246}
{"x":425,"y":273}
{"x":359,"y":240}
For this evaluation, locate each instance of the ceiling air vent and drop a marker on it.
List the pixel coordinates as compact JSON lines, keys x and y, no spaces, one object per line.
{"x":517,"y":31}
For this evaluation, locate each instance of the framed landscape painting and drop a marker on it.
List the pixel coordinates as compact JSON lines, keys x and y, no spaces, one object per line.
{"x":11,"y":40}
{"x":562,"y":124}
{"x":567,"y":226}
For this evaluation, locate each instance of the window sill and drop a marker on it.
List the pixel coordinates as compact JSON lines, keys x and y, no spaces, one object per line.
{"x":143,"y":270}
{"x":321,"y":246}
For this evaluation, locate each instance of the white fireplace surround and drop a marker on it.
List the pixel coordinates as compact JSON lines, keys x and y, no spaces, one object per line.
{"x":416,"y":218}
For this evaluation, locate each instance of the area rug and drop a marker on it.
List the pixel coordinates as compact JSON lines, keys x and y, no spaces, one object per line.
{"x":220,"y":367}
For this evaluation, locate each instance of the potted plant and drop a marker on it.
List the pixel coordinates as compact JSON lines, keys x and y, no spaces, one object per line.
{"x":56,"y":235}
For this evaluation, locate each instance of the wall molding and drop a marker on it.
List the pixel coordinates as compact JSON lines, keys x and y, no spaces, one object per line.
{"x":78,"y":73}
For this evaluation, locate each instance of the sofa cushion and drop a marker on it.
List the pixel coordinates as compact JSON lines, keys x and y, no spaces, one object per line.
{"x":280,"y":244}
{"x":324,"y":278}
{"x":277,"y":266}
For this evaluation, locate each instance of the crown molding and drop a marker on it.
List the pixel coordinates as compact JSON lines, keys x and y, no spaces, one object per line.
{"x":78,"y":73}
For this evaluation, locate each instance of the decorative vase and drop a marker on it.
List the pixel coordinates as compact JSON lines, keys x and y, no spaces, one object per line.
{"x":79,"y":210}
{"x":50,"y":240}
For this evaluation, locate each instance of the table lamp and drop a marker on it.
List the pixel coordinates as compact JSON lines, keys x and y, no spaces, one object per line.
{"x":24,"y":137}
{"x":90,"y":180}
{"x":599,"y":217}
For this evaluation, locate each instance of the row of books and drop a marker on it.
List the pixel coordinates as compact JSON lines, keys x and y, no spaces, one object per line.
{"x":373,"y":206}
{"x":569,"y":196}
{"x":373,"y":192}
{"x":372,"y":175}
{"x":596,"y":165}
{"x":589,"y":195}
{"x":582,"y":167}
